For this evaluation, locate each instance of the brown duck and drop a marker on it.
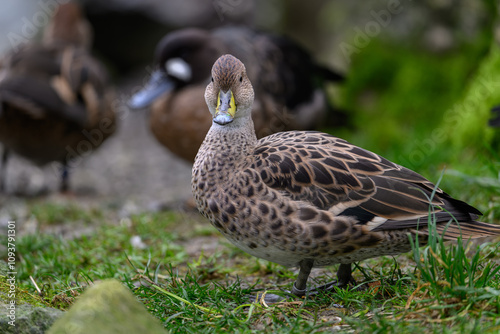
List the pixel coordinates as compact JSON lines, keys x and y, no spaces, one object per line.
{"x":54,"y":99}
{"x":289,"y":85}
{"x":307,"y":199}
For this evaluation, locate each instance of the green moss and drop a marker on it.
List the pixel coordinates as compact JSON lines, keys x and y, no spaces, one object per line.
{"x":22,"y":296}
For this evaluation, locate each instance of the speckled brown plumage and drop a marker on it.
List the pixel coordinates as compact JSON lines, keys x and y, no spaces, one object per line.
{"x":54,"y":95}
{"x":289,"y":85}
{"x":307,"y":199}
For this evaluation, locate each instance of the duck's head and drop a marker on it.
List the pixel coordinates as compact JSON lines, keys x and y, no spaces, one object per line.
{"x":182,"y":58}
{"x":229,"y":95}
{"x":68,"y":27}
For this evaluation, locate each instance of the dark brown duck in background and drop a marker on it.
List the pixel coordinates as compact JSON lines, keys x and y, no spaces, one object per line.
{"x":289,"y":85}
{"x":54,"y":100}
{"x":495,"y":117}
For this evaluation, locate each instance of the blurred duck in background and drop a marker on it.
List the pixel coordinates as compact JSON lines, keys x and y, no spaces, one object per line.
{"x":289,"y":85}
{"x":495,"y":117}
{"x":55,"y":104}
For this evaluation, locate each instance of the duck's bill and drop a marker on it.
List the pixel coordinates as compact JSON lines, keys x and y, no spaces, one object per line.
{"x":226,"y":108}
{"x":158,"y":84}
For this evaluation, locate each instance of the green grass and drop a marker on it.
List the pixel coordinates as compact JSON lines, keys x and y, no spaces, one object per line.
{"x":56,"y":213}
{"x":457,"y":278}
{"x":68,"y":265}
{"x":213,"y":291}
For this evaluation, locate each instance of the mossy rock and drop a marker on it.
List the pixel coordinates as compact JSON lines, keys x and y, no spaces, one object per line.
{"x":107,"y":307}
{"x":28,"y":319}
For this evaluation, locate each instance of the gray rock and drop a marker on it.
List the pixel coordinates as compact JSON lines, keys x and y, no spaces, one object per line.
{"x":107,"y":307}
{"x":4,"y":268}
{"x":28,"y":319}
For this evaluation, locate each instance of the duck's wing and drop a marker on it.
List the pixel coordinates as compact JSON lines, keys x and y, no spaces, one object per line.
{"x":291,"y":76}
{"x":297,"y":71}
{"x":83,"y":80}
{"x":36,"y":99}
{"x":346,"y":180}
{"x":65,"y":82}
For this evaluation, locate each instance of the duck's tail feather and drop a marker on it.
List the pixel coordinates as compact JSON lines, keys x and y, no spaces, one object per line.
{"x":466,"y":230}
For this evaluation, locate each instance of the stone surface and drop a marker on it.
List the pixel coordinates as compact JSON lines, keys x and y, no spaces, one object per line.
{"x":4,"y":268}
{"x":28,"y":319}
{"x":107,"y":307}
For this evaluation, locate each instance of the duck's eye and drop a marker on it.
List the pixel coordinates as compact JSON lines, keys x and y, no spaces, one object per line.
{"x":241,"y":78}
{"x":212,"y":79}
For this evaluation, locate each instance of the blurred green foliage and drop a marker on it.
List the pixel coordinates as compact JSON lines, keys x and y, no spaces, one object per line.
{"x":400,"y":96}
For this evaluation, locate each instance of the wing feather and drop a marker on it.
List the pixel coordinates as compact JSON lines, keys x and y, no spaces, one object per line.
{"x":335,"y":175}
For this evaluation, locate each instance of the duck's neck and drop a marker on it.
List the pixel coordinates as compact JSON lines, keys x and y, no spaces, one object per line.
{"x":231,"y":141}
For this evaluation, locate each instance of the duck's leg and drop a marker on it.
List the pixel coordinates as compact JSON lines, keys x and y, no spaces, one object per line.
{"x":299,"y":287}
{"x":3,"y":168}
{"x":344,"y":275}
{"x":344,"y":278}
{"x":64,"y":186}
